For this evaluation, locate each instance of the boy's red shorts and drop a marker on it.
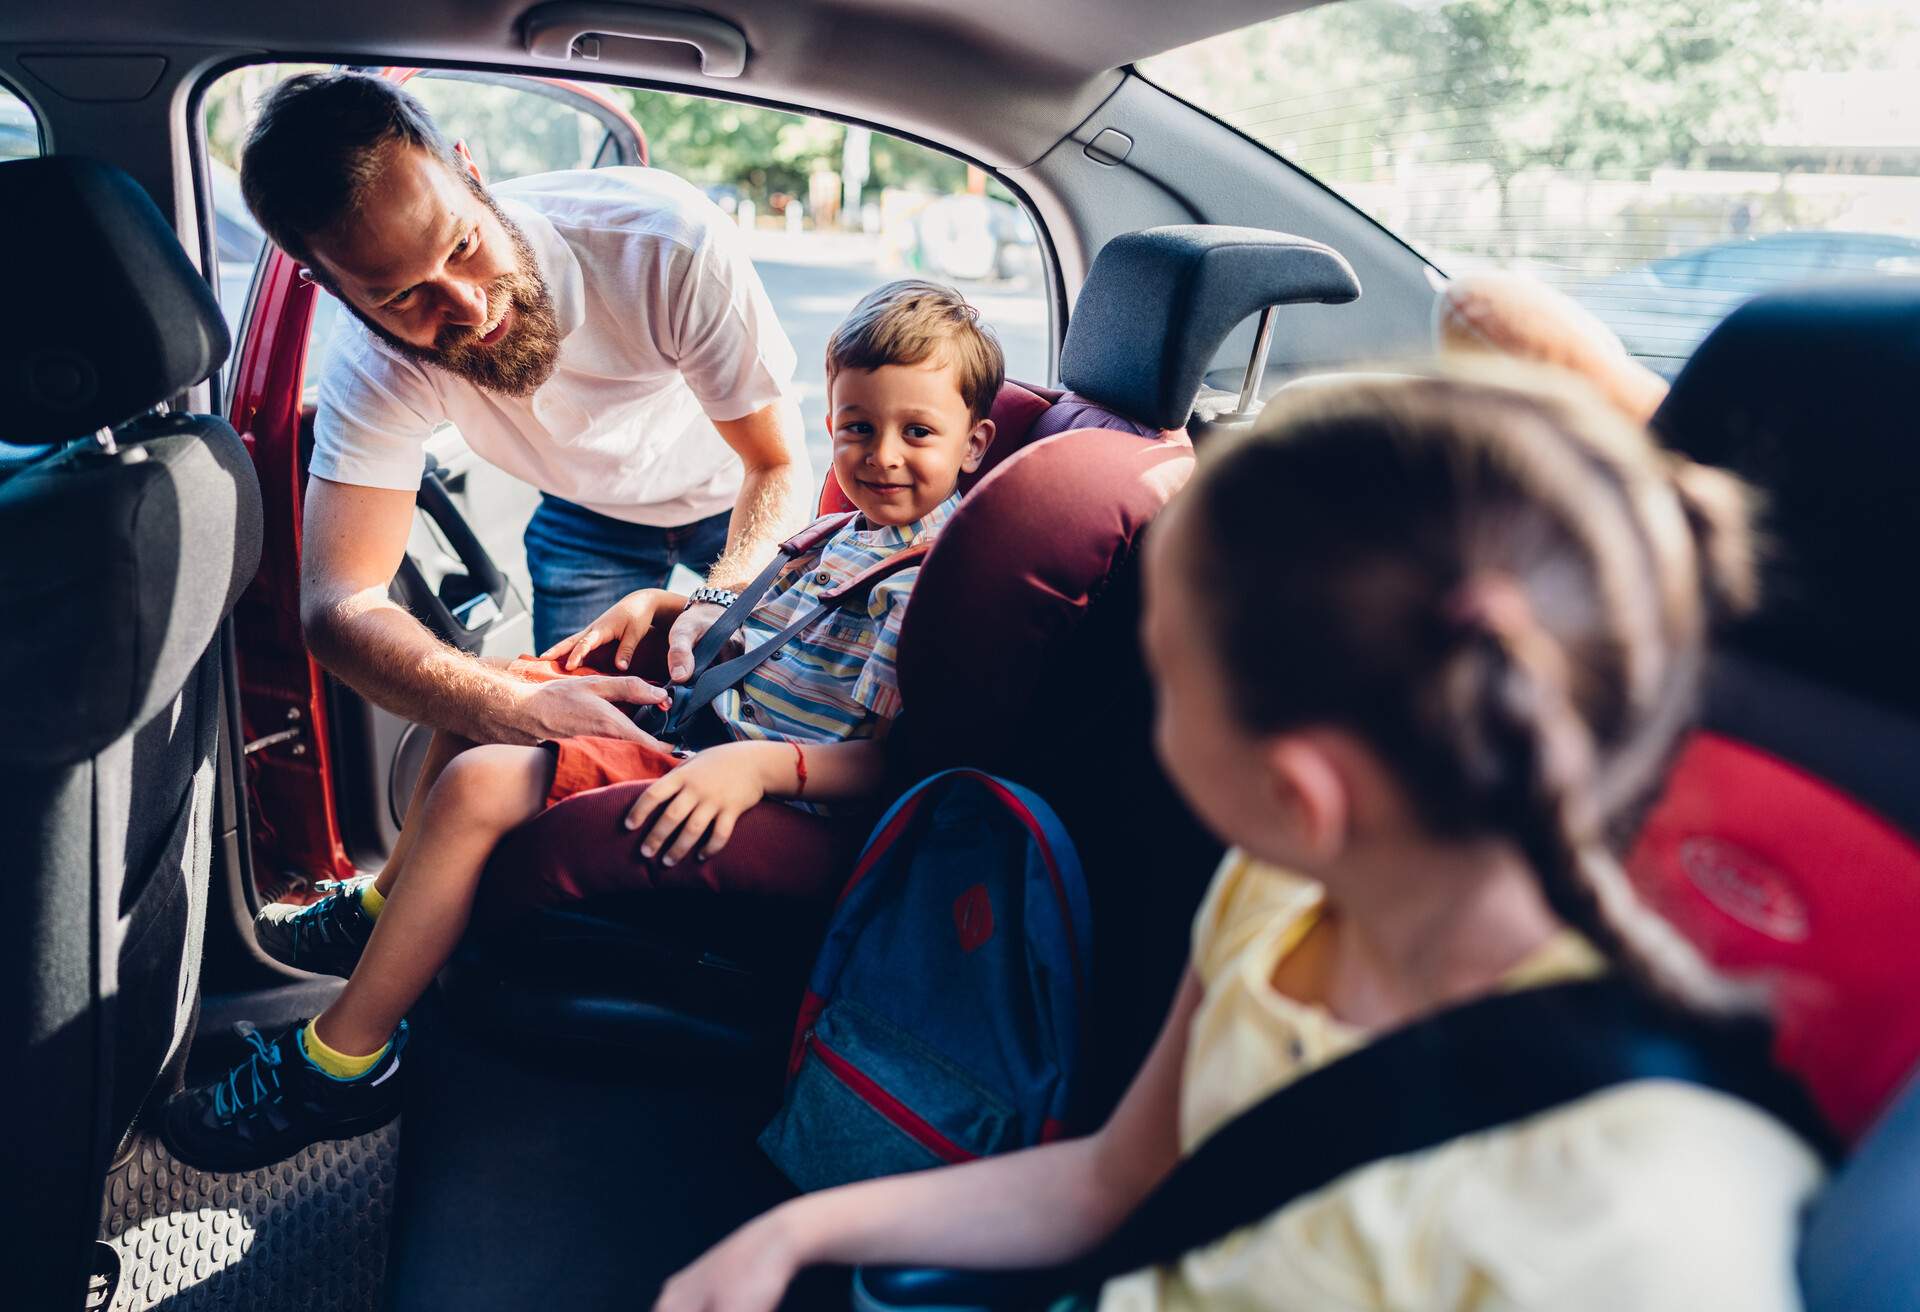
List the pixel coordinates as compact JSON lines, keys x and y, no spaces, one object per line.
{"x":583,"y":848}
{"x":581,"y":764}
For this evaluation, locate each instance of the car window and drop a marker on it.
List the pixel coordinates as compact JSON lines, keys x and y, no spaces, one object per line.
{"x":515,"y":127}
{"x":1660,"y":160}
{"x":830,"y":211}
{"x":19,"y":130}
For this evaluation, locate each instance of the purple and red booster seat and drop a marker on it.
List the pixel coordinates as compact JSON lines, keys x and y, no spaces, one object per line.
{"x":1019,"y":655}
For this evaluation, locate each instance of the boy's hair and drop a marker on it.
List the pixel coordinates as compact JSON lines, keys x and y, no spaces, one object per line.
{"x":911,"y":322}
{"x":318,"y":141}
{"x":1505,"y":588}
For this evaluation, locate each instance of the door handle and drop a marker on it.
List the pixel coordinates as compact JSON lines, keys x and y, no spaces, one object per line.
{"x":566,"y":29}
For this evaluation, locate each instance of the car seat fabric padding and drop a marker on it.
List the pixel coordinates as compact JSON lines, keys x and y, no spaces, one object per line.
{"x":146,"y":327}
{"x":1807,"y":393}
{"x":120,"y":570}
{"x":1775,"y":872}
{"x":975,"y":610}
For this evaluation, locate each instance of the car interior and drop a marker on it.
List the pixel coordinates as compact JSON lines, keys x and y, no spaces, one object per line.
{"x":171,"y":757}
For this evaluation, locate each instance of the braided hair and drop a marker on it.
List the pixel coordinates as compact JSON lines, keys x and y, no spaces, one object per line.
{"x":1506,"y":589}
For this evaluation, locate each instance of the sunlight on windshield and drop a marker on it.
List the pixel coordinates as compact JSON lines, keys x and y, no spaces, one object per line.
{"x":1661,"y":162}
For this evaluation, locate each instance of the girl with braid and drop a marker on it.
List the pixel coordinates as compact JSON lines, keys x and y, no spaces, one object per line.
{"x":1420,"y":644}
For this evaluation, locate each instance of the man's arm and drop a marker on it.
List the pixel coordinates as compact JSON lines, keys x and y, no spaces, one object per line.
{"x":352,"y":543}
{"x":773,"y":500}
{"x":772,"y":506}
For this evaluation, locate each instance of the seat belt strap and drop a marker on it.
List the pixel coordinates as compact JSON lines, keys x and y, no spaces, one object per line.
{"x":807,"y":539}
{"x":1473,"y":1068}
{"x":709,"y":682}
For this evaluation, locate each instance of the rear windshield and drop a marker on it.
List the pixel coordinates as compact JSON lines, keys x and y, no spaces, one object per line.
{"x":1660,"y":160}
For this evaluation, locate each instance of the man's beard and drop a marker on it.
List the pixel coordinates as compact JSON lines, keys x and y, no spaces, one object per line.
{"x":526,"y":353}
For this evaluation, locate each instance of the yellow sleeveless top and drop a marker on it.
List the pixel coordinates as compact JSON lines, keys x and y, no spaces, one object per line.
{"x":1650,"y":1195}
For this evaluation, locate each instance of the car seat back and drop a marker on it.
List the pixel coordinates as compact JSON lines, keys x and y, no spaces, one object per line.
{"x":1788,"y":840}
{"x":119,"y":556}
{"x":1020,"y":650}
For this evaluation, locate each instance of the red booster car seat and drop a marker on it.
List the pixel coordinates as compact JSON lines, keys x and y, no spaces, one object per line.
{"x":1018,"y":655}
{"x":1788,"y":840}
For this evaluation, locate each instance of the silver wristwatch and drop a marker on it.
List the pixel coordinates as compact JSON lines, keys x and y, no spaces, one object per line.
{"x":705,"y":596}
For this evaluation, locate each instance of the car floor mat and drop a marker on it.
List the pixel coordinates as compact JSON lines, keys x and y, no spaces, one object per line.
{"x":308,"y":1234}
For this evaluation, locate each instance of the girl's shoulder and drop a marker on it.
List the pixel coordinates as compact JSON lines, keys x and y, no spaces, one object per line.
{"x":1657,"y":1196}
{"x":1247,"y":900}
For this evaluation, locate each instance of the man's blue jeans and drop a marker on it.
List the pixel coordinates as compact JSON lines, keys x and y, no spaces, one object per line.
{"x":583,"y":562}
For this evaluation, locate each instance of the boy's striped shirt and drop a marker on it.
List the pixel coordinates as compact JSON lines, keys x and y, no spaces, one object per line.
{"x":836,"y":679}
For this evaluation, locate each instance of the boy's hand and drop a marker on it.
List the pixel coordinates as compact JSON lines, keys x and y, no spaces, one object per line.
{"x":626,"y":621}
{"x":702,"y":799}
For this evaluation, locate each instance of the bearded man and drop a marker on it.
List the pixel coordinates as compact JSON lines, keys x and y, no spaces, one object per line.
{"x":600,"y":334}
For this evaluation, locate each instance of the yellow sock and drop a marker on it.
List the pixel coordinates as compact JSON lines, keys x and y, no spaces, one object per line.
{"x":371,"y":900}
{"x":340,"y":1065}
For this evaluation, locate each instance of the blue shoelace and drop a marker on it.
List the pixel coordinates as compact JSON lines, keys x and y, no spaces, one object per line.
{"x":228,"y":1102}
{"x":315,"y":918}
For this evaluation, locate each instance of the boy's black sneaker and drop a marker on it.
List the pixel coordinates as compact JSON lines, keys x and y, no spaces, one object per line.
{"x":275,"y":1103}
{"x":326,"y":937}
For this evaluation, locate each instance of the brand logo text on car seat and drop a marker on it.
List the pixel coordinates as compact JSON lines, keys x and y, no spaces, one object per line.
{"x":1744,"y":887}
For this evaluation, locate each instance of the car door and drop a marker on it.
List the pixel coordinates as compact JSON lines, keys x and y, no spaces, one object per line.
{"x":330,"y":774}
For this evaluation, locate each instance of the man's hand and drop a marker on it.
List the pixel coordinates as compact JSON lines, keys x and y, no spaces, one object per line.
{"x":626,"y":622}
{"x":686,"y":633}
{"x":588,"y":706}
{"x":708,"y":793}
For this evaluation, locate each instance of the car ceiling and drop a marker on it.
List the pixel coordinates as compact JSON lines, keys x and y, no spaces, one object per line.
{"x":1001,"y":80}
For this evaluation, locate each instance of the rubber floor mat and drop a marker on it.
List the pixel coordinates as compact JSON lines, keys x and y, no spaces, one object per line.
{"x":305,"y":1235}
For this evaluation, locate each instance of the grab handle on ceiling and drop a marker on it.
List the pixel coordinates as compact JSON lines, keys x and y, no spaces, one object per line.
{"x":569,"y":30}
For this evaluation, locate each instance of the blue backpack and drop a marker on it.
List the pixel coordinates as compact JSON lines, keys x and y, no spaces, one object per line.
{"x":943,"y":1019}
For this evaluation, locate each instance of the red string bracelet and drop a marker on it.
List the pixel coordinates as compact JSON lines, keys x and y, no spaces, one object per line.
{"x":800,"y":769}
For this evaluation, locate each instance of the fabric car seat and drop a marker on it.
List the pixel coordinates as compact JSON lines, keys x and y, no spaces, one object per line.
{"x":124,"y":540}
{"x":1019,"y":651}
{"x":1788,"y":839}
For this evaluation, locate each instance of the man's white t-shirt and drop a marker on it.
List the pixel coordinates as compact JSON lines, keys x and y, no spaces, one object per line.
{"x":665,"y":327}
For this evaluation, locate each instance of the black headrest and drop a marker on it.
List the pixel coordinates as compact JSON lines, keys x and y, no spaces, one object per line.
{"x":108,"y":317}
{"x":1809,"y":394}
{"x":1157,"y":305}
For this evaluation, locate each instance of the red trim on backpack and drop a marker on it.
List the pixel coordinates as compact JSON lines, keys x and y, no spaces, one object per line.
{"x":1053,"y":873}
{"x":898,"y":1113}
{"x":1051,"y":1129}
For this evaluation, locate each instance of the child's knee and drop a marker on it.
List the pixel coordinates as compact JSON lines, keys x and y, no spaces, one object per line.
{"x":496,"y":782}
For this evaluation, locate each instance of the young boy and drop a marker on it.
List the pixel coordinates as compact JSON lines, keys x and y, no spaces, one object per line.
{"x":911,"y":377}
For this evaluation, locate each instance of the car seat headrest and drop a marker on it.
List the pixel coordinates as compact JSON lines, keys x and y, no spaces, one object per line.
{"x":1158,"y":304}
{"x":113,"y":317}
{"x":1805,"y":393}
